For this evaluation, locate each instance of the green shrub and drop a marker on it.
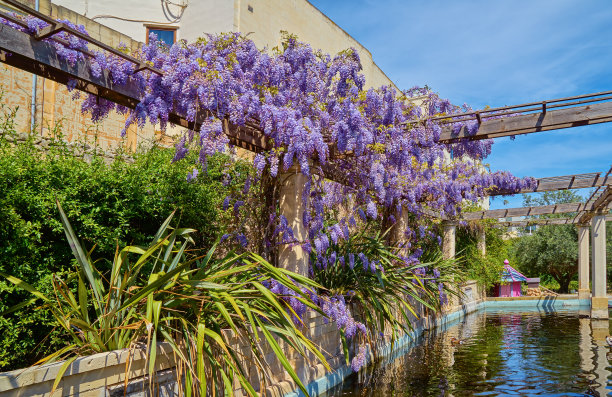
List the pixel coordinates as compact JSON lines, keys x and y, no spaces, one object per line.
{"x":573,"y":285}
{"x":118,"y":203}
{"x":166,"y":292}
{"x":486,"y":270}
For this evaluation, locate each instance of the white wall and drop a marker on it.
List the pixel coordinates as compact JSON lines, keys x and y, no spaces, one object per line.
{"x":265,"y":21}
{"x":208,"y":16}
{"x":145,"y":11}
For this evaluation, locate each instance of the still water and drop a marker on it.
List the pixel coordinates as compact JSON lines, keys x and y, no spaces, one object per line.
{"x":500,"y":354}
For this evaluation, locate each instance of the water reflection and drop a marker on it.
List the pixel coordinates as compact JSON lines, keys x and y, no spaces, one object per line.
{"x":502,"y":353}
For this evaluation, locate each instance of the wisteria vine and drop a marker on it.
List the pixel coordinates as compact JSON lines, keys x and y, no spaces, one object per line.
{"x":373,"y":151}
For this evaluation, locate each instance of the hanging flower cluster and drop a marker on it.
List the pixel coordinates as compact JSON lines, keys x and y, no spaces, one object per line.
{"x":373,"y":151}
{"x":312,"y":110}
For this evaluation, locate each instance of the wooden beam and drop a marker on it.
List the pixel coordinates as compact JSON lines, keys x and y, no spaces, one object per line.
{"x":594,"y":113}
{"x":566,"y":182}
{"x":525,"y":211}
{"x":600,"y":203}
{"x":25,"y":52}
{"x":543,"y":222}
{"x":529,"y":222}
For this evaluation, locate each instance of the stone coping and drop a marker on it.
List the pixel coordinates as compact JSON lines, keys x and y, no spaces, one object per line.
{"x":532,"y":298}
{"x":85,"y":374}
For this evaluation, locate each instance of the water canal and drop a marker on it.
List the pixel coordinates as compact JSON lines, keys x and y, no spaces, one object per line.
{"x":501,"y":353}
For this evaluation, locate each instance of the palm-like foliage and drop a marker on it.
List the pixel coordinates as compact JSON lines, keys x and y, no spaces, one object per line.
{"x":387,"y":298}
{"x":165,"y":293}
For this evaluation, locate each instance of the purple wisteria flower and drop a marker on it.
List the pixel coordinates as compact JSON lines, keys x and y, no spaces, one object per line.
{"x":192,"y":175}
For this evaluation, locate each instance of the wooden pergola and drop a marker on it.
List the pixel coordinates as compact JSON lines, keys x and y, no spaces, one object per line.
{"x":29,"y":53}
{"x":543,"y":222}
{"x":590,"y":217}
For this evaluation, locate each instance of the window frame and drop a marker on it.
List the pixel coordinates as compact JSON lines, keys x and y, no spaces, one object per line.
{"x":168,"y":28}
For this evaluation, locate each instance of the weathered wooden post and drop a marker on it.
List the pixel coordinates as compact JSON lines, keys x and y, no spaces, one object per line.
{"x":599,"y":300}
{"x":584,"y":291}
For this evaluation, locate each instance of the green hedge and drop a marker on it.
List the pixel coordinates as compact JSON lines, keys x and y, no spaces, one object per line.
{"x":123,"y":202}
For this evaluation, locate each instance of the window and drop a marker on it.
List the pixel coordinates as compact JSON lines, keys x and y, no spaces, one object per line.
{"x":166,"y":35}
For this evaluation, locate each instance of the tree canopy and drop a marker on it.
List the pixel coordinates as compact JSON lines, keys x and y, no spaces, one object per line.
{"x":550,"y":250}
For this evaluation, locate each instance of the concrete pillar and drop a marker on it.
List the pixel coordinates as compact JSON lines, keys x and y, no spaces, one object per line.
{"x":482,"y":242}
{"x":448,"y":252}
{"x":584,"y":291}
{"x":398,"y":236}
{"x":599,"y":300}
{"x":291,"y":256}
{"x":448,"y":243}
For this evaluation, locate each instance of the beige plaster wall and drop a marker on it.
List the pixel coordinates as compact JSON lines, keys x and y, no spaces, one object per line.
{"x":263,"y":21}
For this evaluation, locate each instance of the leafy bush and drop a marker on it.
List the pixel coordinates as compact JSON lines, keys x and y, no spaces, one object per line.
{"x":164,"y":292}
{"x":365,"y":277}
{"x":486,"y":270}
{"x":116,"y":203}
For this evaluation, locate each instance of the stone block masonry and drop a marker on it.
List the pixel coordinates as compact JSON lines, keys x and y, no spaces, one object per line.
{"x":55,"y":106}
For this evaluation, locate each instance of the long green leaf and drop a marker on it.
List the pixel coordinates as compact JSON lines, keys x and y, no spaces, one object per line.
{"x":79,"y":254}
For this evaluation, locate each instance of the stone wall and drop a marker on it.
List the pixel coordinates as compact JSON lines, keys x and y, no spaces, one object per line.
{"x":55,"y":107}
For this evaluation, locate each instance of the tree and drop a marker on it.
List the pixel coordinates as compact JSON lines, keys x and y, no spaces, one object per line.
{"x":550,"y":250}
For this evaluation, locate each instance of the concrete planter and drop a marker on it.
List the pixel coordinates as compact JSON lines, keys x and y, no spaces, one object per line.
{"x":102,"y":374}
{"x":105,"y":374}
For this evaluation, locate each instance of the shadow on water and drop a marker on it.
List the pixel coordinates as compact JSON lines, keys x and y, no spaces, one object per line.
{"x":537,"y":352}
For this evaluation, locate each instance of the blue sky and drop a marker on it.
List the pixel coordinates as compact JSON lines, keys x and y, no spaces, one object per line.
{"x":496,"y":53}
